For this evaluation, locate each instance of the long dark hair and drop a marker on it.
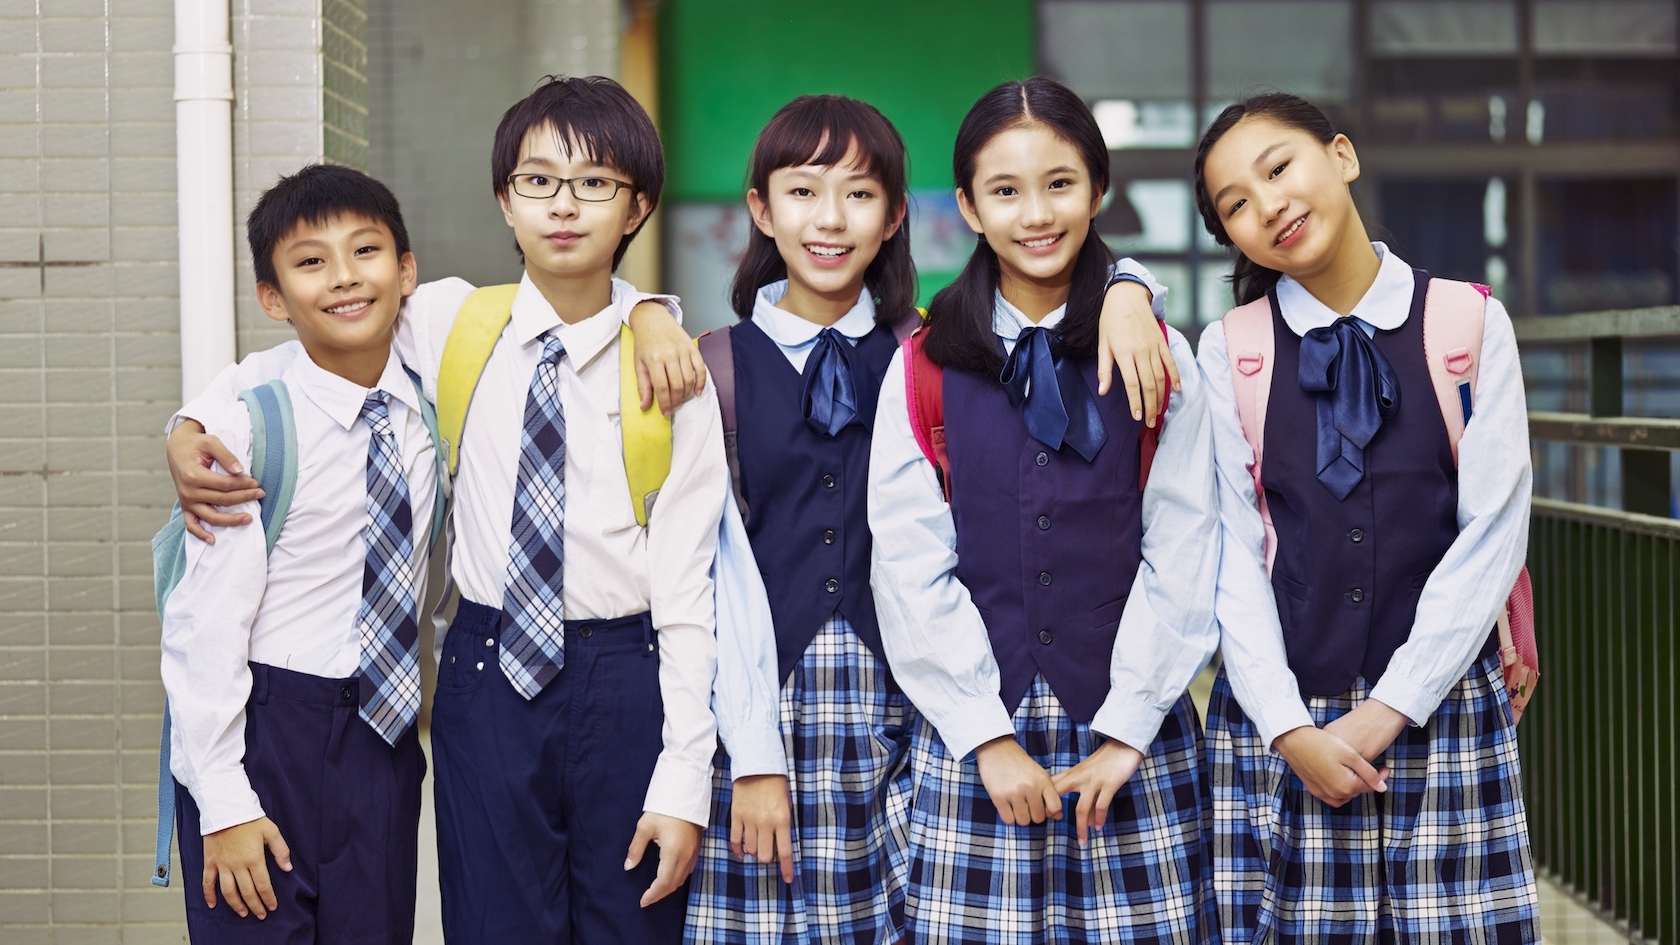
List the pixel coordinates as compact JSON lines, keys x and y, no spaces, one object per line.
{"x":820,"y":129}
{"x":960,"y":316}
{"x":1250,"y":280}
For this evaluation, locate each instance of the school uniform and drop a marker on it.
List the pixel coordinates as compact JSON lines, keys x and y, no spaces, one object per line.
{"x":803,"y":686}
{"x":1388,"y":593}
{"x":574,"y":682}
{"x":1052,"y":602}
{"x":293,"y":677}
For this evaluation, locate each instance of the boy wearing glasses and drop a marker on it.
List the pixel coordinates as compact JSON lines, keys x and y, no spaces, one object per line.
{"x":572,"y":723}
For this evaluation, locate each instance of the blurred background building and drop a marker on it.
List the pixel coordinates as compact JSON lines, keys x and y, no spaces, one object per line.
{"x":1533,"y":145}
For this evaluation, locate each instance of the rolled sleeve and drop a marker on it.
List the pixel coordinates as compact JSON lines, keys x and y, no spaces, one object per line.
{"x":1141,"y":274}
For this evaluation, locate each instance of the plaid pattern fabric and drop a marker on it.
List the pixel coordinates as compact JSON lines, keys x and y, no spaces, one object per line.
{"x":389,"y":617}
{"x":533,"y":620}
{"x":1143,"y":878}
{"x":846,"y":727}
{"x":1443,"y":856}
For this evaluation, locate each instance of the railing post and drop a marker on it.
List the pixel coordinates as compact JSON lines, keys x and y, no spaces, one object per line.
{"x":1645,"y":473}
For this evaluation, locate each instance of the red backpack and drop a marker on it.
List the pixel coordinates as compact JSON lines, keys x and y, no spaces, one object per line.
{"x":1453,"y":313}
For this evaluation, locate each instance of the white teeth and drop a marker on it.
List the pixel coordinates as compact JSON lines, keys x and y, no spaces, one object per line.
{"x":1291,"y":231}
{"x":346,"y":307}
{"x":828,"y":250}
{"x":1039,"y":243}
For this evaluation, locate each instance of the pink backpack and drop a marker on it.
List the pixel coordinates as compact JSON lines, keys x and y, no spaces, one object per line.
{"x":1452,"y":342}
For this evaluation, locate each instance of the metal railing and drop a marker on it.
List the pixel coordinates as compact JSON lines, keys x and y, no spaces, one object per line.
{"x":1601,"y":741}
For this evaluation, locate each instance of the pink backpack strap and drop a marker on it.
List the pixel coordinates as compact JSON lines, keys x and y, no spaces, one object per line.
{"x":1452,"y":343}
{"x":1250,"y":345}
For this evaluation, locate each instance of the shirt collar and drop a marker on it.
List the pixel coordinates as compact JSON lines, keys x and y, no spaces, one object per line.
{"x":341,"y":399}
{"x":791,"y":331}
{"x":532,"y":316}
{"x":1008,"y":321}
{"x":1385,"y":305}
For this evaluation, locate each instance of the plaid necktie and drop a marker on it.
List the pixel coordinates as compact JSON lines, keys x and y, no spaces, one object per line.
{"x":389,"y":615}
{"x":532,"y":619}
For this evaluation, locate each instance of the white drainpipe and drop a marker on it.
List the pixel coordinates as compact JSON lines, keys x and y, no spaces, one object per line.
{"x":204,"y":184}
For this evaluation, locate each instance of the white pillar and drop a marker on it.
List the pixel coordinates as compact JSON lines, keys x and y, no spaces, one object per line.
{"x":204,"y":184}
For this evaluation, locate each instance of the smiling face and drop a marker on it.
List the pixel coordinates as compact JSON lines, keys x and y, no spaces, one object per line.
{"x":1033,"y":199}
{"x":1283,"y":196}
{"x":828,"y":223}
{"x":562,"y":236}
{"x":341,"y":285}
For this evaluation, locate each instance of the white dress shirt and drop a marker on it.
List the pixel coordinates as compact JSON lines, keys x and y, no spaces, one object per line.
{"x":297,"y":608}
{"x":935,"y":639}
{"x":613,"y":567}
{"x":1460,"y":602}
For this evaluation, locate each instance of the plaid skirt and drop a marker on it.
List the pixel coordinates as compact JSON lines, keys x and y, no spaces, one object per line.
{"x":846,"y":728}
{"x":1143,"y":878}
{"x":1442,"y":856}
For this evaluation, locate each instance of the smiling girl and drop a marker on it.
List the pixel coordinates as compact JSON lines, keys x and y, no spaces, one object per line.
{"x":1047,"y":619}
{"x":1366,"y":785}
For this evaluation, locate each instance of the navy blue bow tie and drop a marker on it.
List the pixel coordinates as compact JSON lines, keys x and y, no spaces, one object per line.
{"x":1058,"y":406}
{"x":1356,"y":391}
{"x":828,"y":393}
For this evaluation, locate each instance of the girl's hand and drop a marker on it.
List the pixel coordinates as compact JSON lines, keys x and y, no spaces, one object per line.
{"x":1097,"y":779}
{"x":668,"y":365}
{"x":1369,"y":729}
{"x":202,"y":490}
{"x":1022,"y":792}
{"x":761,"y":821}
{"x":234,"y":859}
{"x":1330,"y":768}
{"x":1129,"y":336}
{"x":679,"y":850}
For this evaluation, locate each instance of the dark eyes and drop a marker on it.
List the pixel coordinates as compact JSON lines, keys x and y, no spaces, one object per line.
{"x":1005,"y":191}
{"x":1278,"y":170}
{"x":802,"y":192}
{"x":592,"y":183}
{"x":311,"y":261}
{"x":1060,"y":184}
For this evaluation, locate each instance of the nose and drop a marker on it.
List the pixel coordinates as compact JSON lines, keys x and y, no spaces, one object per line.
{"x":1275,"y":203}
{"x":831,"y":211}
{"x":564,"y":204}
{"x":344,"y":275}
{"x":1036,"y":210}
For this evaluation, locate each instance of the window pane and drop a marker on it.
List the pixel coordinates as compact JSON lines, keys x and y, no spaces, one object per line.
{"x":1604,"y":27}
{"x":1215,"y":284}
{"x":1156,"y":218}
{"x":1107,"y":50}
{"x":1606,"y":244}
{"x":1467,"y":99}
{"x":1454,"y":28}
{"x":1604,"y":99}
{"x":1300,"y":46}
{"x":1455,"y":229}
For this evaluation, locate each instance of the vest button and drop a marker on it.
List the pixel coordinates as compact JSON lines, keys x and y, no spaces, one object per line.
{"x":1357,"y":535}
{"x":1044,"y":578}
{"x":1043,"y":458}
{"x":1046,"y":637}
{"x":1358,"y":594}
{"x":831,"y":585}
{"x":1044,"y":522}
{"x":586,"y":632}
{"x":828,"y":481}
{"x":344,"y":693}
{"x":828,"y":536}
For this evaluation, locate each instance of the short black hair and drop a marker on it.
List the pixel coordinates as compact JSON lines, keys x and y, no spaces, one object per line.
{"x":598,"y":115}
{"x":314,"y":195}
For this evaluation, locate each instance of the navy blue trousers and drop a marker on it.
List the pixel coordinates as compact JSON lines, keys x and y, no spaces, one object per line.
{"x":347,"y":805}
{"x":537,"y":800}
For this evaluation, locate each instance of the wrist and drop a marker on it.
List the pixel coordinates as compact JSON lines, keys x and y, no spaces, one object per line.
{"x":1122,"y":283}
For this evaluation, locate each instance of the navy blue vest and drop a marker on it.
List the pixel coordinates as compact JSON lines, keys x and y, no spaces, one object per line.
{"x":1348,"y":574}
{"x":1047,"y":544}
{"x":807,"y":494}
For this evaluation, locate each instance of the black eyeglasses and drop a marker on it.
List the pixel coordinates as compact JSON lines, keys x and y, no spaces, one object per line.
{"x":587,"y":189}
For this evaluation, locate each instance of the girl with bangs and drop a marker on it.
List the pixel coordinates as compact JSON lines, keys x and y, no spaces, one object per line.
{"x":1042,"y":604}
{"x":813,"y":787}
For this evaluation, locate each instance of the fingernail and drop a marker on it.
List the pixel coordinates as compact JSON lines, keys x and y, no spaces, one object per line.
{"x":629,"y":865}
{"x":237,"y":469}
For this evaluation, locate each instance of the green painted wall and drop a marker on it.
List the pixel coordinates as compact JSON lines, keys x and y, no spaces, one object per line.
{"x":727,"y":65}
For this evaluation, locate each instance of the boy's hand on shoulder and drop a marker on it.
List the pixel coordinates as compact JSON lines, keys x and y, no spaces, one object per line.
{"x":1330,"y":768}
{"x":761,"y":821}
{"x":203,"y":491}
{"x":1369,"y":729}
{"x":1021,"y":790}
{"x":679,"y":850}
{"x":1129,"y":337}
{"x":668,"y":364}
{"x":234,"y":859}
{"x":1096,"y":780}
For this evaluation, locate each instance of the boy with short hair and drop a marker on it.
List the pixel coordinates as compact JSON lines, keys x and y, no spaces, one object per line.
{"x":293,"y":676}
{"x":572,"y":722}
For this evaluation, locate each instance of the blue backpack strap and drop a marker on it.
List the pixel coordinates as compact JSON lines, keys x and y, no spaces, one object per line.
{"x":274,"y":466}
{"x":428,"y":413}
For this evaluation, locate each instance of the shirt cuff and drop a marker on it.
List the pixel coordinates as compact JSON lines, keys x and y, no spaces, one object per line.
{"x":669,"y":301}
{"x":1131,"y":722}
{"x":1276,"y":718}
{"x":680,"y":790}
{"x":1128,"y":270}
{"x":1405,"y":698}
{"x":756,"y":753}
{"x":224,"y":802}
{"x":973,"y":723}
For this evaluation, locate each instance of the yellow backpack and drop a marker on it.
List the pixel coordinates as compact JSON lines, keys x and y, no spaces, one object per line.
{"x":647,"y":433}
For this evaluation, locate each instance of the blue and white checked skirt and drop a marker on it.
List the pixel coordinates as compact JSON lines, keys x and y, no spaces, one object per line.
{"x":1443,"y":856}
{"x":1143,"y":878}
{"x":846,"y":727}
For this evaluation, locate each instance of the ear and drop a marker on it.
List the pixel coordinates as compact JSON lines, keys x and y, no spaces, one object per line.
{"x":409,"y":274}
{"x":1097,"y":201}
{"x":897,"y":220}
{"x":760,"y":210}
{"x":638,"y":213}
{"x":1342,"y":150}
{"x":272,"y":302}
{"x":507,"y":206}
{"x":969,"y":214}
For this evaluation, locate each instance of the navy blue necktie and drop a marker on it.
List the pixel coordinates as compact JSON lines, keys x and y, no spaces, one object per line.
{"x":1356,"y":391}
{"x":1057,"y":405}
{"x":828,"y":392}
